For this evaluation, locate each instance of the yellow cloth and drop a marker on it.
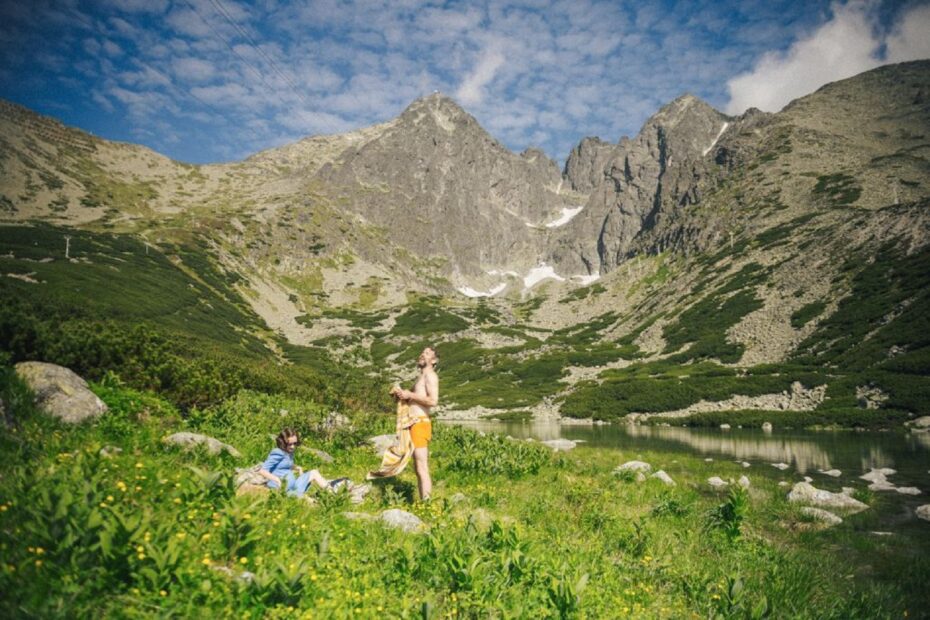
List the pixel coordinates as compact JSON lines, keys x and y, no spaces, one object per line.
{"x":396,"y":457}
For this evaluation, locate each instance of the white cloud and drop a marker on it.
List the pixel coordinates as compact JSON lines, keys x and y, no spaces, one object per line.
{"x":910,"y":39}
{"x":848,"y":44}
{"x":194,"y":69}
{"x":471,"y":91}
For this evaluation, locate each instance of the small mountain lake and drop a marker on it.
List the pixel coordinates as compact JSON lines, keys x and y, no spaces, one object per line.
{"x":806,"y":452}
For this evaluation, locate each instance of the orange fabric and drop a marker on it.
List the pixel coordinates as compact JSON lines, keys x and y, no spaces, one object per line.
{"x":421,"y":433}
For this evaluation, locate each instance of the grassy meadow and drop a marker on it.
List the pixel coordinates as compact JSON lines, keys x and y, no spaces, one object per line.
{"x":514,"y":530}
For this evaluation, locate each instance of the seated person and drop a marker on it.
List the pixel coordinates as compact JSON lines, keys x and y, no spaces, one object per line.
{"x":279,"y":468}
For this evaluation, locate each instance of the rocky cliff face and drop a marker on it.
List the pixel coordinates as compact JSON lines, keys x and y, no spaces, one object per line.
{"x":644,"y":181}
{"x":442,"y":186}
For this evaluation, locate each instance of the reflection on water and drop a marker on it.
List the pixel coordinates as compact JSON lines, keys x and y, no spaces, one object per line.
{"x":805,"y":451}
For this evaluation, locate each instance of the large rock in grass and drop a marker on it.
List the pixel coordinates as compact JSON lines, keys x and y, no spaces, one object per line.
{"x":636,"y":466}
{"x":664,"y":477}
{"x":717,"y":483}
{"x":805,"y":493}
{"x":821,"y":515}
{"x":189,"y":441}
{"x":382,"y":442}
{"x":402,"y":520}
{"x":560,"y":445}
{"x":60,"y":392}
{"x":923,"y":512}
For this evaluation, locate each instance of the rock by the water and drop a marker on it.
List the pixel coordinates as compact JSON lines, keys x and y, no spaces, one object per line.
{"x":908,"y":490}
{"x":401,"y":519}
{"x":833,"y":473}
{"x":383,"y":442}
{"x":724,"y":427}
{"x":664,"y":477}
{"x":60,"y":392}
{"x":717,"y":483}
{"x":767,"y":427}
{"x":560,"y":445}
{"x":874,"y":476}
{"x":805,"y":493}
{"x":320,"y":454}
{"x":781,"y":466}
{"x":923,"y":512}
{"x":819,"y":514}
{"x":921,"y":422}
{"x":639,"y":466}
{"x":708,"y":460}
{"x":189,"y":440}
{"x":743,"y":482}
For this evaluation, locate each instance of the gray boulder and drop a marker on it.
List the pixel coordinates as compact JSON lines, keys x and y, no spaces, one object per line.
{"x":725,"y":427}
{"x":382,"y":442}
{"x":560,"y":445}
{"x":60,"y":392}
{"x":190,"y":440}
{"x":717,"y":483}
{"x":923,"y":422}
{"x":664,"y":477}
{"x":767,"y":427}
{"x":923,"y":512}
{"x":819,"y":514}
{"x":781,"y":466}
{"x":402,"y":520}
{"x":805,"y":493}
{"x":833,"y":473}
{"x":908,"y":490}
{"x":637,"y":466}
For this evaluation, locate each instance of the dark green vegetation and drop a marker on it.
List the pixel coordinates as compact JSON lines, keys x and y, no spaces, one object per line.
{"x":159,"y":317}
{"x":838,"y":190}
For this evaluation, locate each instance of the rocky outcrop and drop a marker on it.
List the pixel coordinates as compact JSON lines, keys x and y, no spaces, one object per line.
{"x":587,"y":165}
{"x":805,"y":493}
{"x":469,"y":197}
{"x":189,"y":441}
{"x":60,"y":393}
{"x":647,"y":179}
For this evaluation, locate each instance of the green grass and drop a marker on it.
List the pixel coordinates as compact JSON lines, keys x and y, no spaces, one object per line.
{"x":514,"y":528}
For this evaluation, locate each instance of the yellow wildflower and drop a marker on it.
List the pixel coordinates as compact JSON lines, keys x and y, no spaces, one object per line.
{"x":243,"y":560}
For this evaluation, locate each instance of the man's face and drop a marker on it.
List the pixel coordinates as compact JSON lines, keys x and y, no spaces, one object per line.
{"x":426,"y":357}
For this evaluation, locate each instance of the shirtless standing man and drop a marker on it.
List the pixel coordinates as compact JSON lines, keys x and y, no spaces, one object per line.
{"x":425,"y":396}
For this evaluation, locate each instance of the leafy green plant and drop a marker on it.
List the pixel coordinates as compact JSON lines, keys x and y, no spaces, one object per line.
{"x":729,"y":516}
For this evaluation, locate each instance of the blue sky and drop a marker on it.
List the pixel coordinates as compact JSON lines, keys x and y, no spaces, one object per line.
{"x":217,"y":80}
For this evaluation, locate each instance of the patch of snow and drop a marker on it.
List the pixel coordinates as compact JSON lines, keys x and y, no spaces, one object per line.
{"x":567,"y":214}
{"x":470,"y":292}
{"x":498,"y":272}
{"x":540,"y":273}
{"x":712,"y":144}
{"x":586,"y":280}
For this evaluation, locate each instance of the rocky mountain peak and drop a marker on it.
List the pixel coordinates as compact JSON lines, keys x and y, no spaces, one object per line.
{"x":440,"y":111}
